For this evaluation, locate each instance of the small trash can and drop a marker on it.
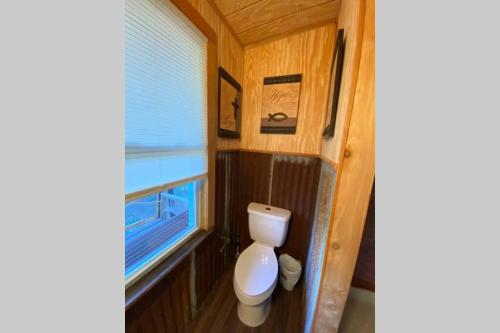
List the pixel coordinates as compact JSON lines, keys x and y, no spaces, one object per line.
{"x":290,"y":270}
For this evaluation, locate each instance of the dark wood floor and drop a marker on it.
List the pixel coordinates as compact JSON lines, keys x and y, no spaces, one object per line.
{"x":218,"y":313}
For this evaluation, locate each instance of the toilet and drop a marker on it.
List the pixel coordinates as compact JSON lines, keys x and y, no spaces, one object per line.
{"x":256,"y":271}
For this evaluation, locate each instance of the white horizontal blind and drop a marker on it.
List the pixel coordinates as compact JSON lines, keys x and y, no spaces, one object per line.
{"x":165,"y":96}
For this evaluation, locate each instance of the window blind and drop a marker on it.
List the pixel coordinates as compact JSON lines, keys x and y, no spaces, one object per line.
{"x":165,"y":96}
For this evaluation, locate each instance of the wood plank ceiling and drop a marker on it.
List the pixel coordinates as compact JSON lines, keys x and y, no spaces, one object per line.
{"x":255,"y":20}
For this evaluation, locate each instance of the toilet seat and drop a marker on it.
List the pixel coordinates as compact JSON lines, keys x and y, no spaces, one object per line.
{"x":256,"y":273}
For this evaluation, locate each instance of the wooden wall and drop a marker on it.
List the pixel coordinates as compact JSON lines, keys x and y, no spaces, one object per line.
{"x":351,"y":20}
{"x":308,"y":52}
{"x":352,"y":192}
{"x":230,"y":53}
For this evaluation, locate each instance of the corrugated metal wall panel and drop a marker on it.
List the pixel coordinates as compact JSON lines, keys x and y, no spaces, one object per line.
{"x":254,"y":176}
{"x":166,"y":307}
{"x":294,"y":187}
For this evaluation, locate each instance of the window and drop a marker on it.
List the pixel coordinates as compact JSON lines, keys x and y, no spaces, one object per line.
{"x":165,"y":131}
{"x":154,"y":223}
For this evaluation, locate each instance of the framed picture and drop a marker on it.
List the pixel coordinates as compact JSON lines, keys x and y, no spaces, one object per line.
{"x":280,"y":104}
{"x":335,"y":82}
{"x":229,"y":104}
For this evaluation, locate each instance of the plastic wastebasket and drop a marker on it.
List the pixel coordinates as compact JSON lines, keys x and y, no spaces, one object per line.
{"x":290,"y":270}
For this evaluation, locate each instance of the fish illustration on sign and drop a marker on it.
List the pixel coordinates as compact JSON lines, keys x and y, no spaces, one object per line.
{"x":280,"y":104}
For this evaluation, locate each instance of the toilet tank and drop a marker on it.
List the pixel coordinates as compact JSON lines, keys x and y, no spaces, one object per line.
{"x":268,"y":225}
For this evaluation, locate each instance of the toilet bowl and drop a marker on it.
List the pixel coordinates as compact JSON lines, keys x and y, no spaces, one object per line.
{"x":256,"y":271}
{"x":255,"y":277}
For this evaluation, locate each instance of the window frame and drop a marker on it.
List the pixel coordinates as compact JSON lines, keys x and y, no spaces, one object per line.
{"x":206,"y":204}
{"x":200,"y":183}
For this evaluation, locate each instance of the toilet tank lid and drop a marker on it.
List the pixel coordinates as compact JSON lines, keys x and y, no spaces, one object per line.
{"x":270,"y":212}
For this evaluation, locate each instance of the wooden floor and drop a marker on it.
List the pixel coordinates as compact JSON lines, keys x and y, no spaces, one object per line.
{"x":218,"y":313}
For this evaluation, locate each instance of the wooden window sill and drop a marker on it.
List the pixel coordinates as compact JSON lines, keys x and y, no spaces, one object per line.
{"x":150,"y":279}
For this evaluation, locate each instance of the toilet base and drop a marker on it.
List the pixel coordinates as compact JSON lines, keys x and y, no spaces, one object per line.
{"x":254,"y":315}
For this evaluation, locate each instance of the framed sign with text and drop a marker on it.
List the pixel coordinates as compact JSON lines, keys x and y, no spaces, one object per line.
{"x":280,"y":104}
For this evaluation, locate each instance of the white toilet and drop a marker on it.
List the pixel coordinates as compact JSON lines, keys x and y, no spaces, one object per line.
{"x":256,"y":271}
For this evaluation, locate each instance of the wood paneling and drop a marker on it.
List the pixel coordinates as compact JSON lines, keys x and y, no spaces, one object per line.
{"x":294,"y":187}
{"x":229,"y":6}
{"x":265,"y":11}
{"x":219,"y":312}
{"x":229,"y":53}
{"x":166,"y":308}
{"x":323,"y":13}
{"x":208,"y":213}
{"x":350,"y":19}
{"x":280,"y":153}
{"x":309,"y":53}
{"x":254,"y":21}
{"x":352,"y":192}
{"x":194,"y":16}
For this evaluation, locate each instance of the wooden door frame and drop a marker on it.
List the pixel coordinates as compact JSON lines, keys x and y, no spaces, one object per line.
{"x":355,"y":177}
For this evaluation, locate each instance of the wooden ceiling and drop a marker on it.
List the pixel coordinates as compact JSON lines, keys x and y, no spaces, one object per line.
{"x":255,"y":20}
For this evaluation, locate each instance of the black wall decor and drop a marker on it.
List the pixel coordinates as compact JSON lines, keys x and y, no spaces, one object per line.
{"x":336,"y":80}
{"x":229,"y":105}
